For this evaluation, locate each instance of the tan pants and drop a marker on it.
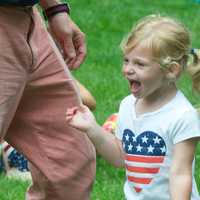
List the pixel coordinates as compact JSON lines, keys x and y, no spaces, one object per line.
{"x":35,"y":90}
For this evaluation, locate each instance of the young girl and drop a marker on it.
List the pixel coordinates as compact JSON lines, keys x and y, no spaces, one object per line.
{"x":158,"y":128}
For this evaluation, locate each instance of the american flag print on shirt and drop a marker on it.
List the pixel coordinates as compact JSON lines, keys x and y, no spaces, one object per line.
{"x":144,"y":156}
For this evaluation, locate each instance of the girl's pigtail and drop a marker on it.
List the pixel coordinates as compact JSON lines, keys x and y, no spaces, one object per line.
{"x":193,"y":68}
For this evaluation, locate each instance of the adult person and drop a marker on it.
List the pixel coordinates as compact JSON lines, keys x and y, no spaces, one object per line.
{"x":35,"y":88}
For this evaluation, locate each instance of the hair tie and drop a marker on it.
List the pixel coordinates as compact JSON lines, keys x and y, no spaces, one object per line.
{"x":195,"y":53}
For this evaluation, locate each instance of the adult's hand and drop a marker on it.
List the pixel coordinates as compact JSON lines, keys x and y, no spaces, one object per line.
{"x":70,"y":38}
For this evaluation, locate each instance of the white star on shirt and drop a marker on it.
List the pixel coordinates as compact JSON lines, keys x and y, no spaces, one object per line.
{"x":134,"y":139}
{"x":139,"y":148}
{"x":156,"y":140}
{"x":130,"y":146}
{"x":144,"y":139}
{"x":150,"y":149}
{"x":127,"y":138}
{"x":163,"y":149}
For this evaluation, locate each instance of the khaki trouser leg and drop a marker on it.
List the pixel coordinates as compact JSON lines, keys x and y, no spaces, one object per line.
{"x":62,"y":159}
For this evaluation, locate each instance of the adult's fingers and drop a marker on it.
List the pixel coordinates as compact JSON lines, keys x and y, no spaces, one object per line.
{"x":69,"y":51}
{"x":81,"y":50}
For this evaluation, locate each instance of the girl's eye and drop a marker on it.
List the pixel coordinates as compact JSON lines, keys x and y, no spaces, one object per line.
{"x":125,"y":60}
{"x":140,"y":64}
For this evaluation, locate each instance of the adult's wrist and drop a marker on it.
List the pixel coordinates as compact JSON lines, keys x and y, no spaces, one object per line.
{"x":45,"y":4}
{"x":56,"y":9}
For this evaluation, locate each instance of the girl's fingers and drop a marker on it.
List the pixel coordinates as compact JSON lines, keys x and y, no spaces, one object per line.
{"x":68,"y":118}
{"x":71,"y":111}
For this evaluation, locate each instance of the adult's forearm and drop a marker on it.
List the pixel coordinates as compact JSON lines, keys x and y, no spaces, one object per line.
{"x":181,"y":187}
{"x":49,"y":3}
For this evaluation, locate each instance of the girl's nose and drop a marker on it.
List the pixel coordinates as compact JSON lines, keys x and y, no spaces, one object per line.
{"x":128,"y":69}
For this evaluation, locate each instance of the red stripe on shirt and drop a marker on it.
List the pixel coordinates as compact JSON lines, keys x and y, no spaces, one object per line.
{"x":142,"y":169}
{"x":137,"y":189}
{"x":139,"y":180}
{"x":147,"y":159}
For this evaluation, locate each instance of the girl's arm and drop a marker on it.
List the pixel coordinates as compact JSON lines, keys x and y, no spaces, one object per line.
{"x":181,"y":170}
{"x":107,"y":145}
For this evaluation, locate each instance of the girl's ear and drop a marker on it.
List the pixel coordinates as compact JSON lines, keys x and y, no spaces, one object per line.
{"x":173,"y":71}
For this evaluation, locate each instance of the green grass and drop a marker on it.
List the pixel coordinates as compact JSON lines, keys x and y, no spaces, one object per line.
{"x":12,"y":189}
{"x":105,"y":24}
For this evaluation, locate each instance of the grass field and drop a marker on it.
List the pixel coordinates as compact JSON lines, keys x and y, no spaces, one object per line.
{"x":105,"y":23}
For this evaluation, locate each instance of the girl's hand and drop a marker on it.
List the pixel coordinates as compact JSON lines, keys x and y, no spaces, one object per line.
{"x":80,"y":118}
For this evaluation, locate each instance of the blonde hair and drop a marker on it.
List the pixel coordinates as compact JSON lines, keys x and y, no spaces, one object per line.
{"x":168,"y":39}
{"x":194,"y":68}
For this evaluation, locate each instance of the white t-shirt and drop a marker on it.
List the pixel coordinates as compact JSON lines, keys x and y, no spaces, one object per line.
{"x":148,"y":142}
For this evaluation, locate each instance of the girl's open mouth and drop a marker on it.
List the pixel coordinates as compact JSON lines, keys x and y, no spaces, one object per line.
{"x":135,"y":86}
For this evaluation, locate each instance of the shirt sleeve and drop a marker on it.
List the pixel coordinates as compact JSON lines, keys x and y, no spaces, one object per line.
{"x":122,"y":114}
{"x":118,"y":131}
{"x":186,"y":127}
